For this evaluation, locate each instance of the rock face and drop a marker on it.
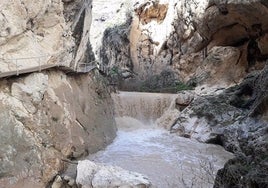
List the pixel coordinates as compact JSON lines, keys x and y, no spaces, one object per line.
{"x":35,"y":32}
{"x":249,"y":137}
{"x":94,"y":175}
{"x":236,"y":119}
{"x":198,"y":41}
{"x":47,"y":118}
{"x":249,"y":167}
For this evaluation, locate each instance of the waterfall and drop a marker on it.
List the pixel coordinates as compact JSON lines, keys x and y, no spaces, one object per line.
{"x":167,"y":159}
{"x":145,"y":107}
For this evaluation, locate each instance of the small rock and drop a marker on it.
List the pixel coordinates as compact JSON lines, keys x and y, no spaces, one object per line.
{"x":67,"y":178}
{"x":184,"y":99}
{"x":71,"y":182}
{"x":57,"y":182}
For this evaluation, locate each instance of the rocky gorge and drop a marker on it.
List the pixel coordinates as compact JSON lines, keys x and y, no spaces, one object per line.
{"x":216,"y":47}
{"x":211,"y":53}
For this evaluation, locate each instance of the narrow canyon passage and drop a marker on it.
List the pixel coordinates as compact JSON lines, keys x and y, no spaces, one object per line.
{"x":143,"y":146}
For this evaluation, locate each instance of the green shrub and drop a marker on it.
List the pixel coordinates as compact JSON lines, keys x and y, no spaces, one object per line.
{"x":181,"y":87}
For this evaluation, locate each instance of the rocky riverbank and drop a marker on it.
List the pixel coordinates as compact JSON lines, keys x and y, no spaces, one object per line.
{"x":236,"y":119}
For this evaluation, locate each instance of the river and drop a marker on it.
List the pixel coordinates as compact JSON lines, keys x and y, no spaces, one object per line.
{"x":145,"y":147}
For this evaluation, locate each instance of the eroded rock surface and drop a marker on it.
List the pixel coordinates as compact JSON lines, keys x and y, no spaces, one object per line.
{"x":211,"y":44}
{"x":35,"y":32}
{"x":201,"y":42}
{"x":236,"y":119}
{"x":47,"y":118}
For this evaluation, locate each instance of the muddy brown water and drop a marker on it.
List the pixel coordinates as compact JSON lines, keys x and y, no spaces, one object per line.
{"x":166,"y":159}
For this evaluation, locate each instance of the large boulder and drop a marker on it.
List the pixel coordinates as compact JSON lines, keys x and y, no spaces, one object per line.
{"x":94,"y":175}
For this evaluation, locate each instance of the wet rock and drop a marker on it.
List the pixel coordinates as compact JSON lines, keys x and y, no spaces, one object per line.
{"x":171,"y":114}
{"x":247,"y":137}
{"x":205,"y":115}
{"x":248,"y":140}
{"x":93,"y":175}
{"x":168,"y":118}
{"x":235,"y":119}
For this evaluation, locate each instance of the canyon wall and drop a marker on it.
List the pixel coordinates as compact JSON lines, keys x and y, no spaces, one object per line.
{"x":196,"y":42}
{"x":50,"y":118}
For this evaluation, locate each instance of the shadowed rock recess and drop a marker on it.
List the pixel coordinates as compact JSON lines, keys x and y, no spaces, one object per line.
{"x":217,"y":50}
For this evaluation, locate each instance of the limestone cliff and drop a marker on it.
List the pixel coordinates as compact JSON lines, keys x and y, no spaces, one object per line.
{"x":44,"y":32}
{"x":51,"y":117}
{"x":197,"y":41}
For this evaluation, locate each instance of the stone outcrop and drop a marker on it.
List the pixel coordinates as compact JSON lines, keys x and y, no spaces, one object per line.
{"x":171,"y":115}
{"x":249,"y":142}
{"x":147,"y":13}
{"x":249,"y":137}
{"x":94,"y":175}
{"x":47,"y":119}
{"x":236,"y":119}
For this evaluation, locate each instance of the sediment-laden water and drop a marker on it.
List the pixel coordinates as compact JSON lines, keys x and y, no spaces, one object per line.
{"x":167,"y":159}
